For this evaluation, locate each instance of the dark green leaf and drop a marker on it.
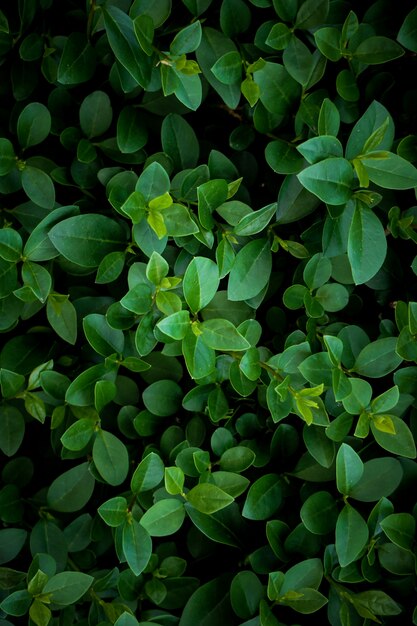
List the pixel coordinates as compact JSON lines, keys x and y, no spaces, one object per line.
{"x":264,"y":498}
{"x":78,"y":60}
{"x":38,"y":186}
{"x":71,"y":490}
{"x":351,"y":535}
{"x":33,"y":124}
{"x":122,"y":39}
{"x":110,"y":457}
{"x":377,"y":49}
{"x":250,"y":271}
{"x":86,"y":239}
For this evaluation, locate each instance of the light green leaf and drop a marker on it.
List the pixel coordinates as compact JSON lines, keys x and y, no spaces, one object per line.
{"x":349,"y":469}
{"x":148,"y":474}
{"x":331,"y":180}
{"x":163,"y":518}
{"x":220,"y":334}
{"x":208,"y":498}
{"x":200,"y":283}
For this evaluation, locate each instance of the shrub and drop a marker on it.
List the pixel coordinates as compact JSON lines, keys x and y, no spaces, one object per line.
{"x":208,"y":303}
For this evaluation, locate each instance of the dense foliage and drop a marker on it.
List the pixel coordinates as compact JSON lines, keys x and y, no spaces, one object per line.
{"x":208,"y":308}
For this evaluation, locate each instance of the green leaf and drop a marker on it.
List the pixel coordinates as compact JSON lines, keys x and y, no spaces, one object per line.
{"x":220,"y":334}
{"x":148,"y":474}
{"x":381,"y":476}
{"x":319,"y":513}
{"x":283,"y":158}
{"x":327,"y":40}
{"x":400,"y":529}
{"x":37,"y":278}
{"x":132,"y":134}
{"x":10,"y":245}
{"x":110,"y":268}
{"x":298,"y":61}
{"x":311,"y":14}
{"x":153,"y":183}
{"x":162,"y":397}
{"x":104,"y":393}
{"x":304,"y":601}
{"x":62,"y":316}
{"x":179,"y":141}
{"x":319,"y":148}
{"x":294,"y":201}
{"x":264,"y":498}
{"x":79,"y":434}
{"x":200,"y":283}
{"x":78,"y":61}
{"x":114,"y":511}
{"x":378,"y":358}
{"x":390,"y":171}
{"x":163,"y":518}
{"x":228,"y":68}
{"x":331,"y":180}
{"x":12,"y":429}
{"x":208,"y":498}
{"x":236,"y":459}
{"x":209,"y":605}
{"x":39,"y":613}
{"x":349,"y":469}
{"x":367,"y":245}
{"x":123,"y":42}
{"x":38,"y":186}
{"x":66,"y":588}
{"x":7,"y":156}
{"x":10,"y":382}
{"x":187,"y":39}
{"x":374,"y":116}
{"x":17,"y":603}
{"x":279,"y":36}
{"x":110,"y":457}
{"x":71,"y":490}
{"x":251,"y":270}
{"x":95,"y":114}
{"x":351,"y":535}
{"x":407,"y":32}
{"x":144,"y":30}
{"x":104,"y":339}
{"x":33,"y":124}
{"x":329,"y":118}
{"x":87,"y":239}
{"x":246,"y":591}
{"x":377,"y":49}
{"x":174,"y":480}
{"x":401,"y":443}
{"x":216,"y":526}
{"x":175,"y":325}
{"x":278,"y":91}
{"x":213,"y":46}
{"x":137,"y":545}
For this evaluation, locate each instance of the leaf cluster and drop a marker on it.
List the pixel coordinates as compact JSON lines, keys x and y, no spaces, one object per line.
{"x":208,"y":312}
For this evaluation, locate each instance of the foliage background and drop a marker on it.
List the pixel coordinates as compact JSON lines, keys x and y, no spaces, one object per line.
{"x":208,"y":312}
